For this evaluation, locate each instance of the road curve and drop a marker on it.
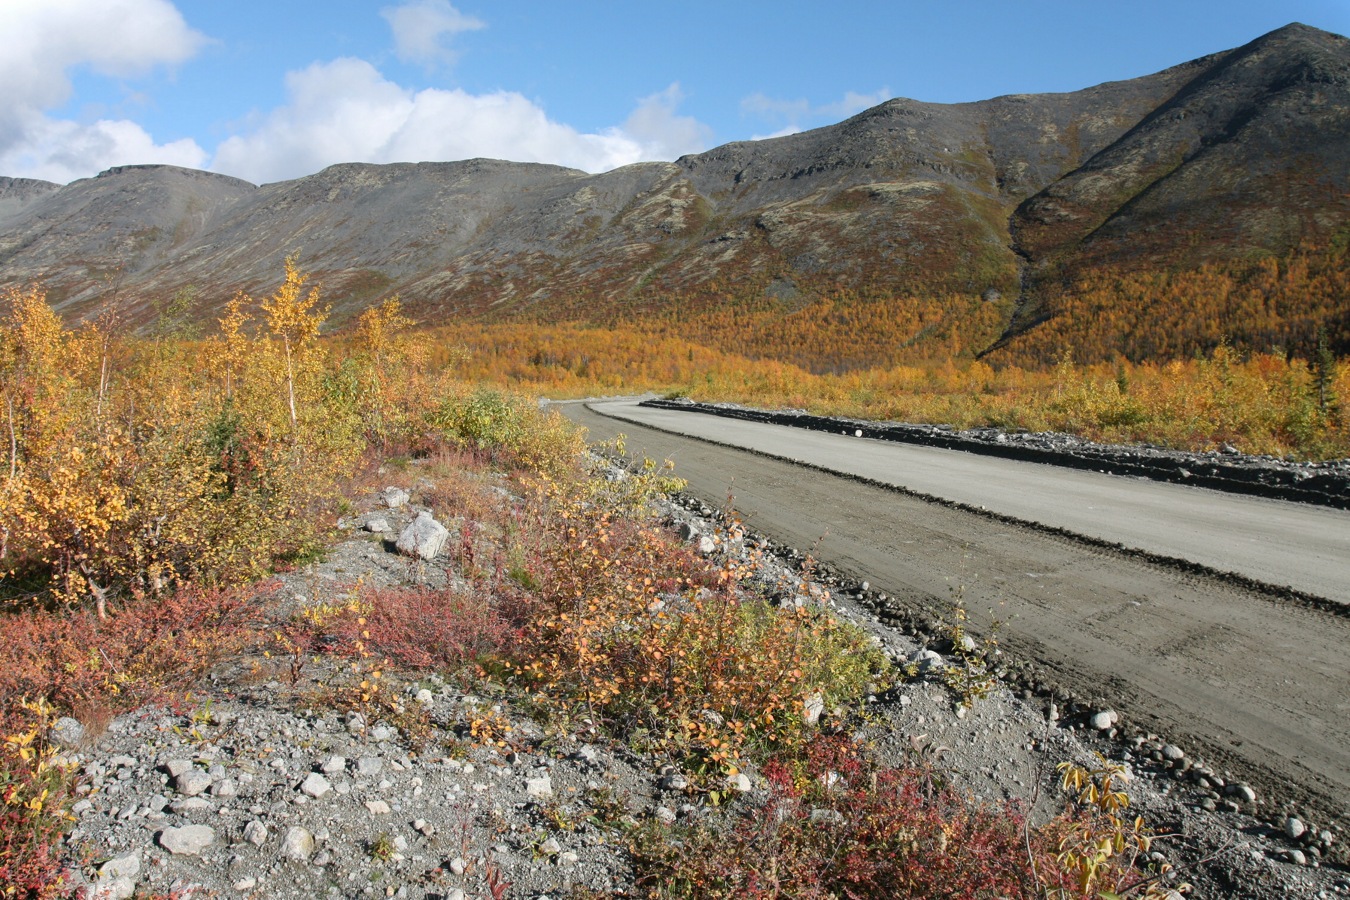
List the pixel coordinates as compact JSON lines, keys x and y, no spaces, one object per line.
{"x":1255,"y":684}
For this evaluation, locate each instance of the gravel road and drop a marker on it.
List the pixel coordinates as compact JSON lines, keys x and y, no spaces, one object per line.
{"x":1261,"y":686}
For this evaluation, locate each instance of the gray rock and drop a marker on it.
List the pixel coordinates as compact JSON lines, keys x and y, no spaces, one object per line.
{"x":551,"y":847}
{"x":377,"y":807}
{"x":333,"y":765}
{"x":395,"y":497}
{"x":297,"y":844}
{"x":674,"y":781}
{"x":66,"y":732}
{"x":189,"y":805}
{"x":424,"y":537}
{"x":1241,"y":792}
{"x":541,"y":787}
{"x":192,"y":782}
{"x":740,"y":783}
{"x":176,"y":767}
{"x":379,"y":525}
{"x":315,"y":785}
{"x":1173,"y":753}
{"x":117,"y":878}
{"x":1294,"y":828}
{"x":812,"y":708}
{"x":1102,"y":721}
{"x":255,"y":833}
{"x":225,"y":788}
{"x":190,"y":840}
{"x":369,"y":766}
{"x":926,"y":661}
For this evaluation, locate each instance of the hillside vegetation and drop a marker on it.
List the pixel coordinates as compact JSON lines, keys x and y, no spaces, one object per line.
{"x":150,"y":481}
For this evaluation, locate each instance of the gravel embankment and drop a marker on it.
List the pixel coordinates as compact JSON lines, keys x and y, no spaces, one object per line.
{"x":260,"y":792}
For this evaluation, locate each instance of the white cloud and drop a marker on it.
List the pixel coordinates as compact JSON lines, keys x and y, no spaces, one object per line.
{"x":795,"y":112}
{"x":661,"y":133}
{"x":61,"y":151}
{"x":346,"y":111}
{"x":421,"y":27}
{"x":782,"y":132}
{"x":44,"y":40}
{"x":854,"y":102}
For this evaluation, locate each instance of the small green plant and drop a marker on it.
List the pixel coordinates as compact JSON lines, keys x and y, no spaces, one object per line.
{"x":1100,"y":847}
{"x":382,"y":848}
{"x":971,"y":678}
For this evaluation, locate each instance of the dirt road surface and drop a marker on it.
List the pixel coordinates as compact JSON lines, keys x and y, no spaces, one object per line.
{"x":1256,"y":685}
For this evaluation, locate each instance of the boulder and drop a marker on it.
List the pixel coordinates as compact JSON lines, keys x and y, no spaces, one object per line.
{"x":424,"y":537}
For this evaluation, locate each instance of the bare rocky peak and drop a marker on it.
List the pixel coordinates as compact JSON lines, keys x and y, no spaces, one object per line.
{"x":1238,"y":150}
{"x":17,"y":193}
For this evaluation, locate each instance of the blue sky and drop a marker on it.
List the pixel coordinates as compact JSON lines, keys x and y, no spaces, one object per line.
{"x":274,"y":90}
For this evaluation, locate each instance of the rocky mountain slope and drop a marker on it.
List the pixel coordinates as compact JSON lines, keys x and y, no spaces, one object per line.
{"x":1241,"y":152}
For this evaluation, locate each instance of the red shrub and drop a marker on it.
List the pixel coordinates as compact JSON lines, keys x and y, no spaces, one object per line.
{"x":142,"y":652}
{"x":421,"y":628}
{"x":837,"y":826}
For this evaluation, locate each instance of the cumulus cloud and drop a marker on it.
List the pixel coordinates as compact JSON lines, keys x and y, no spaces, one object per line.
{"x":44,"y":40}
{"x":346,"y":111}
{"x":660,"y":132}
{"x":782,"y":132}
{"x":795,"y":112}
{"x":61,"y":151}
{"x":422,"y":27}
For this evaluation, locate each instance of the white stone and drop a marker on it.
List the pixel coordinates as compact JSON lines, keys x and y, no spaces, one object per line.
{"x":1294,"y":828}
{"x":190,"y":805}
{"x":1102,"y":721}
{"x":333,"y":765}
{"x":315,"y":785}
{"x":739,"y":782}
{"x":539,"y":787}
{"x":377,"y":807}
{"x":117,"y":878}
{"x":551,"y":847}
{"x":369,"y":766}
{"x":192,"y":782}
{"x":176,"y":767}
{"x":395,"y":497}
{"x":926,"y":660}
{"x":255,"y":833}
{"x":189,"y":840}
{"x":378,"y":526}
{"x":297,"y":844}
{"x":812,"y":709}
{"x":424,"y":537}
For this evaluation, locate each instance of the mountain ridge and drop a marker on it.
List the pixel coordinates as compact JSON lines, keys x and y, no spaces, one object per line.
{"x":1241,"y":152}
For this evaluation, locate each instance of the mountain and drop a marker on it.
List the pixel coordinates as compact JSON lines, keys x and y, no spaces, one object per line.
{"x":1242,"y":153}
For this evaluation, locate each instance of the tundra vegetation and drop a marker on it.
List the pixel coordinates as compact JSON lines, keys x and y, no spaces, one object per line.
{"x":151,"y":481}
